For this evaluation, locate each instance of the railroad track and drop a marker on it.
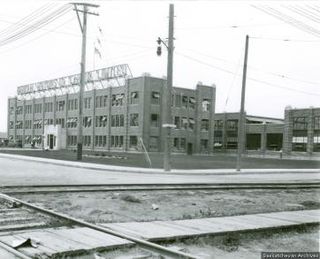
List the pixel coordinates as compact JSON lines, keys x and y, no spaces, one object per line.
{"x":43,"y":189}
{"x":34,"y":213}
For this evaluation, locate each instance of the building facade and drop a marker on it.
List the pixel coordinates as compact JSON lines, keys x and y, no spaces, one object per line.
{"x":260,"y":133}
{"x":119,"y":118}
{"x":302,"y":130}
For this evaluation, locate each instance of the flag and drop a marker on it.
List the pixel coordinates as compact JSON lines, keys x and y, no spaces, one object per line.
{"x":97,"y":51}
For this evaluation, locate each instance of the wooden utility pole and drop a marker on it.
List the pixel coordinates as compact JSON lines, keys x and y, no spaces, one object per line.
{"x":83,"y":27}
{"x":241,"y":125}
{"x":167,"y":97}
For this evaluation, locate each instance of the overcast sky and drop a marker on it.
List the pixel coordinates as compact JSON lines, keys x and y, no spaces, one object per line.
{"x":209,"y":47}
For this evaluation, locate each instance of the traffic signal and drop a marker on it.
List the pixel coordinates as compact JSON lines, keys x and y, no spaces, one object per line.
{"x":159,"y":51}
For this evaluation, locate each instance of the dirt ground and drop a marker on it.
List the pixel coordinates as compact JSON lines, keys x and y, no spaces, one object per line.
{"x":107,"y":207}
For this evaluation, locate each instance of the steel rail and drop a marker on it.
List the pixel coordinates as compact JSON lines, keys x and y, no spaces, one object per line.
{"x":161,"y":184}
{"x":14,"y":251}
{"x":104,"y":188}
{"x":143,"y":243}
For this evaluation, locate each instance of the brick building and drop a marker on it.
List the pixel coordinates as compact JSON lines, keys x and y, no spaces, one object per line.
{"x":117,"y":118}
{"x":302,"y":130}
{"x":261,"y":133}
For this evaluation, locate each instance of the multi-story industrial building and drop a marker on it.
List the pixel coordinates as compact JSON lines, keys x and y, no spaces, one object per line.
{"x":118,"y":118}
{"x":130,"y":116}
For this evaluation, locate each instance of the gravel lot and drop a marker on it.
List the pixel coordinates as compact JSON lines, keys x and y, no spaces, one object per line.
{"x":106,"y":207}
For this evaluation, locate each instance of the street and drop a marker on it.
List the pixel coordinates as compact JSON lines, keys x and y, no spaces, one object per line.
{"x":20,"y":172}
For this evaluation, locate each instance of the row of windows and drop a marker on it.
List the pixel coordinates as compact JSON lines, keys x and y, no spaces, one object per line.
{"x":301,"y":123}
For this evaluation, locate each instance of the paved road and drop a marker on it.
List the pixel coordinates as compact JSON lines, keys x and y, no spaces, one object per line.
{"x":14,"y":171}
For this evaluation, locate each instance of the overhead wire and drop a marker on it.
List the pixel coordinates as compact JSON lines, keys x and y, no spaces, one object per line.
{"x":35,"y":26}
{"x":287,"y":19}
{"x":303,"y":13}
{"x":249,"y":78}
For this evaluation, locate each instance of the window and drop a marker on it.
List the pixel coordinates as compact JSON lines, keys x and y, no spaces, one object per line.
{"x":185,"y":123}
{"x":192,"y":102}
{"x":134,"y":98}
{"x":191,"y":123}
{"x":48,"y":107}
{"x":153,"y":143}
{"x":232,"y":124}
{"x":117,"y":99}
{"x":117,"y":120}
{"x":87,"y":103}
{"x":28,"y":109}
{"x":37,"y":124}
{"x":72,"y":104}
{"x":134,"y":119}
{"x":204,"y":145}
{"x":154,"y":120}
{"x":60,"y":121}
{"x":204,"y":125}
{"x":60,"y":105}
{"x":101,"y":101}
{"x":11,"y":110}
{"x":27,"y":139}
{"x":100,"y":141}
{"x":87,"y":141}
{"x":300,"y":123}
{"x":176,"y":143}
{"x":185,"y":101}
{"x":87,"y":121}
{"x":117,"y":141}
{"x":133,"y":142}
{"x":317,"y":122}
{"x":178,"y":101}
{"x":27,"y":124}
{"x":177,"y":122}
{"x":11,"y":124}
{"x":218,"y":124}
{"x":38,"y":108}
{"x":19,"y":125}
{"x":72,"y":122}
{"x":72,"y":140}
{"x":183,"y":143}
{"x":206,"y":105}
{"x":101,"y":121}
{"x":48,"y":122}
{"x":19,"y":110}
{"x":155,"y":98}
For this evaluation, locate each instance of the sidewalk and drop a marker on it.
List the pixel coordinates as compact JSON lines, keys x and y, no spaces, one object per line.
{"x":154,"y":170}
{"x":166,"y":230}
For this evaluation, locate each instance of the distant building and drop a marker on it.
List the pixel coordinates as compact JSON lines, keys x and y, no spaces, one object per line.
{"x":261,"y":133}
{"x":302,"y":130}
{"x":116,"y":118}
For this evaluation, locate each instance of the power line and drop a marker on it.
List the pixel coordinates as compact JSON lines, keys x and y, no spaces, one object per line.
{"x":280,"y":75}
{"x":287,"y":19}
{"x":30,"y":28}
{"x":249,"y":78}
{"x":303,"y":13}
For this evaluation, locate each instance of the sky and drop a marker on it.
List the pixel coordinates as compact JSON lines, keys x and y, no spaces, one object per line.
{"x":283,"y":60}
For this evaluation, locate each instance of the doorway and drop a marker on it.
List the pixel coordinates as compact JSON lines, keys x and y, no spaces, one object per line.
{"x":51,"y":141}
{"x":189,"y":149}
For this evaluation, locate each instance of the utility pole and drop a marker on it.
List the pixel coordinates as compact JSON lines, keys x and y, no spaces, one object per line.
{"x":168,"y":92}
{"x":241,"y":125}
{"x":167,"y":125}
{"x":83,"y":27}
